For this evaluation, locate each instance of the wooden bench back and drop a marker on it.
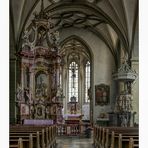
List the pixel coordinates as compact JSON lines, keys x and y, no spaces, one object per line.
{"x":109,"y":136}
{"x":42,"y":135}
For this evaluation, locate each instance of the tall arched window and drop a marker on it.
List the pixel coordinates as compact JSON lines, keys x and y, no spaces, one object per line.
{"x":73,"y":81}
{"x":87,"y":81}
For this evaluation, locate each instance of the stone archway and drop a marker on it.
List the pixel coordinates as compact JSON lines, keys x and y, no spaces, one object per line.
{"x":74,"y":45}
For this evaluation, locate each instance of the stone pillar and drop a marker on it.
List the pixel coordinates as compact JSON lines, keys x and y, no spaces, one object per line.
{"x":31,"y":85}
{"x":12,"y":91}
{"x":64,"y":86}
{"x":92,"y":101}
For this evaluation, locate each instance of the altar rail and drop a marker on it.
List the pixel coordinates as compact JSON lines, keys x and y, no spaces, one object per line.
{"x":71,"y":129}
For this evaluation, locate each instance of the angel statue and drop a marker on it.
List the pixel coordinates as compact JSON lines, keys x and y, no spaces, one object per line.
{"x":19,"y":93}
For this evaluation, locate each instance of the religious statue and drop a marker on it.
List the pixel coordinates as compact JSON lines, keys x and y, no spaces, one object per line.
{"x":32,"y":112}
{"x":26,"y":37}
{"x":89,"y":93}
{"x":73,"y":109}
{"x":39,"y":111}
{"x":47,"y":112}
{"x":124,"y":120}
{"x":59,"y":94}
{"x":26,"y":95}
{"x":26,"y":45}
{"x":19,"y":93}
{"x":41,"y":35}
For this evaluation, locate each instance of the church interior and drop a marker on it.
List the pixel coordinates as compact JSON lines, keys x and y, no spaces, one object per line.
{"x":74,"y":67}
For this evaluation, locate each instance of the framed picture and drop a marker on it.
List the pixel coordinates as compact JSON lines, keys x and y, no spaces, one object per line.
{"x":41,"y":85}
{"x":40,"y":112}
{"x":102,"y":94}
{"x":24,"y":109}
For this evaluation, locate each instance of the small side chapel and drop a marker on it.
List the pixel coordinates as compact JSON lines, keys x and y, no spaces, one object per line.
{"x":74,"y":66}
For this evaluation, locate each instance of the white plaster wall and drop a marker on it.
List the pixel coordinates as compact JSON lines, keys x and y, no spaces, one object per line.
{"x":103,"y":68}
{"x":103,"y":63}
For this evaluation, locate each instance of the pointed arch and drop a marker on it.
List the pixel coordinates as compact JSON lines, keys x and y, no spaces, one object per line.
{"x":79,"y":39}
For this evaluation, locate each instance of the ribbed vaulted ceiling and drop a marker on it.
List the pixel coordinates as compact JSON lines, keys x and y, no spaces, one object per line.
{"x":110,"y":20}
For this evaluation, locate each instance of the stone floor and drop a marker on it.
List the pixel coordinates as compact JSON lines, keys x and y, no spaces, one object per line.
{"x":74,"y":142}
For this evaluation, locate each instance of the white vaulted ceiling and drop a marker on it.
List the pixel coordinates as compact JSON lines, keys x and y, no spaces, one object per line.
{"x":111,"y":20}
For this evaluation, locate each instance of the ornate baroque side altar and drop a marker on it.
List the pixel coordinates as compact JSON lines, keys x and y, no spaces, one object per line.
{"x":37,"y":92}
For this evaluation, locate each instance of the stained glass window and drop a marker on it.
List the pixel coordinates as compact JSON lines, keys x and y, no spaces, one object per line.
{"x":73,"y":80}
{"x":87,"y":81}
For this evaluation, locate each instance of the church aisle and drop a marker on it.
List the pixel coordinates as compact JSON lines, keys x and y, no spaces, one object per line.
{"x":74,"y":142}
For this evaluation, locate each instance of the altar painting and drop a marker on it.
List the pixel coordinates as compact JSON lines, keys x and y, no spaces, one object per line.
{"x":24,"y":109}
{"x":41,"y":85}
{"x":102,"y":94}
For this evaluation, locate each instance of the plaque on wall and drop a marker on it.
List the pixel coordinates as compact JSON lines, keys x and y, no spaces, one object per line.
{"x":102,"y":94}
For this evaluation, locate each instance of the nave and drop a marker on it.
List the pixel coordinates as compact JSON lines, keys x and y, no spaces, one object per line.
{"x":48,"y":137}
{"x":74,"y":65}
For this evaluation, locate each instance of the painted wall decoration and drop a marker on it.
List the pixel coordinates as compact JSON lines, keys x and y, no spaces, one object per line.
{"x":19,"y":93}
{"x":102,"y":94}
{"x":41,"y":85}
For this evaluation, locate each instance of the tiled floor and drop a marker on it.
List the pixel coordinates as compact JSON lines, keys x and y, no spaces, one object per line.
{"x":74,"y":142}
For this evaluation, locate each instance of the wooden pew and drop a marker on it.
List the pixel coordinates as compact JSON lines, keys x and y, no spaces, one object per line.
{"x":25,"y":142}
{"x":52,"y":135}
{"x":46,"y":136}
{"x":120,"y":139}
{"x":19,"y":143}
{"x":124,"y":140}
{"x":38,"y":136}
{"x":97,"y":136}
{"x":133,"y":143}
{"x":43,"y":136}
{"x":108,"y":137}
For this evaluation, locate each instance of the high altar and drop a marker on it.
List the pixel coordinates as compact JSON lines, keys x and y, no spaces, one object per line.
{"x":38,"y":92}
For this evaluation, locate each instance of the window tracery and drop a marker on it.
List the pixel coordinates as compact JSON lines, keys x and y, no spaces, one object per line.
{"x":87,"y":82}
{"x":73,"y":80}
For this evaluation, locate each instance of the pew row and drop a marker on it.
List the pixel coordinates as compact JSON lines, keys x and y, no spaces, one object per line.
{"x":42,"y":136}
{"x":16,"y":143}
{"x":115,"y":137}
